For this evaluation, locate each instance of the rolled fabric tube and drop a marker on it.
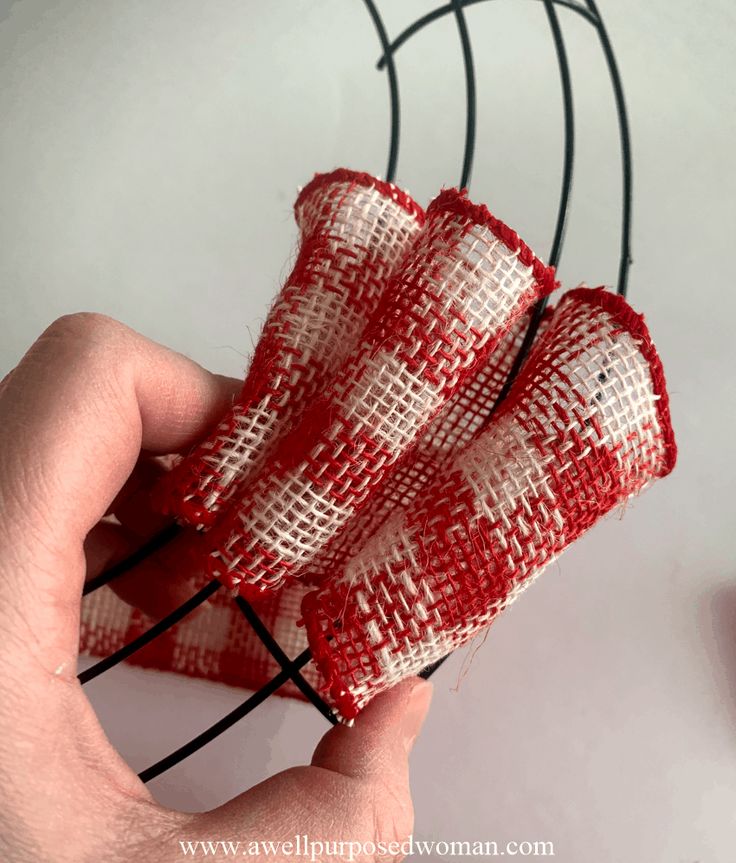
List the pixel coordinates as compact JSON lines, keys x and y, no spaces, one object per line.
{"x":466,"y":280}
{"x":585,"y":426}
{"x":454,"y":426}
{"x":354,"y":231}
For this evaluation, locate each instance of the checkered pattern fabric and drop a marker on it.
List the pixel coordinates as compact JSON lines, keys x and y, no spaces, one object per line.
{"x":354,"y":231}
{"x":464,"y":281}
{"x":357,"y":481}
{"x":585,"y":427}
{"x":216,"y":643}
{"x":453,"y":427}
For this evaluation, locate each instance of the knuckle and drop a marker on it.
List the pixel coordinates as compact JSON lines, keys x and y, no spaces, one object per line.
{"x":83,"y":327}
{"x":85,"y":343}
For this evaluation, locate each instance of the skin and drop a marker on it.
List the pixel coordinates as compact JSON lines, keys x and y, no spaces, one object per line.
{"x":86,"y":419}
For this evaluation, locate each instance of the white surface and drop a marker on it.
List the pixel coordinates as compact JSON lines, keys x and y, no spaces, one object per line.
{"x":149,"y":155}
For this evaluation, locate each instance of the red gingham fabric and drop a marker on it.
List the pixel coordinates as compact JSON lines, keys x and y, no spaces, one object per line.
{"x":453,"y":427}
{"x":216,"y":643}
{"x":465,"y":280}
{"x":585,"y":426}
{"x":357,"y":472}
{"x":354,"y":231}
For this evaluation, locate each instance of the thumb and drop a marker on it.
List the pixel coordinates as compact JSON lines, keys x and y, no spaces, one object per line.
{"x":379,"y":743}
{"x":373,"y":758}
{"x":355,"y":790}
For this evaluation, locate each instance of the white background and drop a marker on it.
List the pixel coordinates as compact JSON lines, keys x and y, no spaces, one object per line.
{"x":150,"y":151}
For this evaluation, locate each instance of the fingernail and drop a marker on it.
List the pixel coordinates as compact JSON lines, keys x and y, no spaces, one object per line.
{"x":417,"y":705}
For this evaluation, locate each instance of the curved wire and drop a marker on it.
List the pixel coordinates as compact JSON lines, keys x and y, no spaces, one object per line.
{"x":625,"y":260}
{"x":290,"y":669}
{"x":470,"y":113}
{"x":563,"y":209}
{"x":274,"y":648}
{"x":393,"y":86}
{"x":590,"y":16}
{"x":161,"y":539}
{"x":559,"y":234}
{"x":564,"y":205}
{"x":227,"y":721}
{"x":157,"y":629}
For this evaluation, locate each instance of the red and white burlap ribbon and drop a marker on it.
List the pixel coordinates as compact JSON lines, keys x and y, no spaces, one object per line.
{"x":358,"y":466}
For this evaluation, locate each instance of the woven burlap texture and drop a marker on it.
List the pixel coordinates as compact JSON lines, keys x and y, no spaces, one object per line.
{"x":584,"y":427}
{"x":358,"y":460}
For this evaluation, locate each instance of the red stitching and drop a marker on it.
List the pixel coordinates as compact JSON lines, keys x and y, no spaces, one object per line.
{"x":457,"y":202}
{"x":634,"y":323}
{"x":360,"y":178}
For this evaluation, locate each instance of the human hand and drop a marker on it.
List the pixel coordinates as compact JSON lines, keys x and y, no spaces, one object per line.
{"x":84,"y":418}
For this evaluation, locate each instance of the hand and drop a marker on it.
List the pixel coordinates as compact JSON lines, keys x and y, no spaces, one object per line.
{"x":84,"y":420}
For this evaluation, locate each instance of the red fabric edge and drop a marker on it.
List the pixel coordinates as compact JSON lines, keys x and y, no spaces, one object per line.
{"x":457,"y":202}
{"x":624,"y":315}
{"x":361,"y":178}
{"x":319,"y":644}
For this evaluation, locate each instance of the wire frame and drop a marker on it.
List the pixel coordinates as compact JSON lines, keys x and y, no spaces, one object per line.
{"x":291,"y":668}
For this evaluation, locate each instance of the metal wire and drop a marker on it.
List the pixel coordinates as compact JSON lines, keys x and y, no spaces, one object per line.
{"x":147,"y":637}
{"x":441,"y":11}
{"x":470,"y":110}
{"x":278,"y":654}
{"x":564,"y":205}
{"x":161,"y":539}
{"x":627,"y":173}
{"x":228,"y":720}
{"x":393,"y":87}
{"x":559,"y":234}
{"x":291,"y":669}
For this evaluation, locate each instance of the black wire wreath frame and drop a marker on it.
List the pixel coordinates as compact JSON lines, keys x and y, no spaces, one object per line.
{"x":291,"y":668}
